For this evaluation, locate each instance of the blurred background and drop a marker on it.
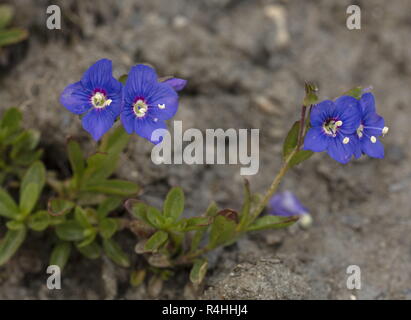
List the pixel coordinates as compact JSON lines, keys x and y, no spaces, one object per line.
{"x":246,"y":63}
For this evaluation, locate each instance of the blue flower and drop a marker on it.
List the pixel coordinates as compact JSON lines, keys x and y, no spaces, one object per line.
{"x":286,"y":204}
{"x":98,"y":96}
{"x":176,"y":83}
{"x":148,"y":102}
{"x":371,"y":127}
{"x":333,"y":128}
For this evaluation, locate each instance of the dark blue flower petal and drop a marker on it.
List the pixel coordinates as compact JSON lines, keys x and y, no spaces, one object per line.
{"x":140,"y":82}
{"x":162,"y":102}
{"x":339,"y":151}
{"x":128,"y":118}
{"x":176,"y":83}
{"x":367,"y":103}
{"x":357,"y":146}
{"x":286,"y":204}
{"x":75,"y":98}
{"x":316,"y":140}
{"x":116,"y":104}
{"x":145,"y":126}
{"x":99,"y":76}
{"x":322,"y":112}
{"x":374,"y":150}
{"x":347,"y":111}
{"x":373,"y":124}
{"x":97,"y":122}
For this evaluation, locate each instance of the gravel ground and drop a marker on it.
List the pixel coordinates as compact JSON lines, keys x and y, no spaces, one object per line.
{"x":246,"y":63}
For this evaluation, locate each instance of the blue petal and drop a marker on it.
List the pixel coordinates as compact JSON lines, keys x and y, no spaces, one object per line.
{"x":375,"y":121}
{"x":162,"y":95}
{"x":357,"y":146}
{"x":127,"y":119}
{"x":339,"y":151}
{"x":140,"y":81}
{"x":99,"y":76}
{"x":97,"y":122}
{"x":176,"y":83}
{"x":286,"y":204}
{"x":116,"y":104}
{"x":316,"y":140}
{"x":322,"y":112}
{"x":374,"y":150}
{"x":75,"y":98}
{"x":348,"y":112}
{"x":145,"y":126}
{"x":367,"y":103}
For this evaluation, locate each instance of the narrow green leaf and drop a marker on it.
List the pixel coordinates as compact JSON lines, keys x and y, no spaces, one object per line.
{"x":89,"y":239}
{"x":196,"y":223}
{"x":137,"y":209}
{"x":108,"y":205}
{"x":35,"y":174}
{"x":174,"y":203}
{"x":8,"y":208}
{"x":60,"y":207}
{"x":156,"y":241}
{"x":6,"y":14}
{"x":81,"y":217}
{"x":291,"y":140}
{"x":222,"y":231}
{"x":108,"y":227}
{"x":198,"y":271}
{"x":113,"y":187}
{"x":70,"y":231}
{"x":11,"y":36}
{"x":11,"y":243}
{"x":91,"y":251}
{"x":212,"y":210}
{"x":155,"y":218}
{"x":15,"y":225}
{"x":299,"y":157}
{"x":272,"y":222}
{"x":76,"y":159}
{"x":39,"y":221}
{"x":115,"y":141}
{"x":60,"y":254}
{"x":115,"y":253}
{"x":29,"y":197}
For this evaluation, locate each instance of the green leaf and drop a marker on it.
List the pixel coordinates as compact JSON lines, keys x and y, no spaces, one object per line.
{"x":60,"y":207}
{"x":12,"y":36}
{"x":291,"y":140}
{"x":15,"y":225}
{"x":222,"y":231}
{"x":11,"y":119}
{"x":113,"y":187}
{"x":6,"y":14}
{"x":299,"y":157}
{"x":107,"y":206}
{"x":355,"y":92}
{"x":137,"y":209}
{"x":212,"y":210}
{"x":39,"y":221}
{"x":28,"y":198}
{"x":81,"y":217}
{"x":123,"y":78}
{"x":272,"y":222}
{"x":108,"y":227}
{"x":155,"y":218}
{"x":70,"y":231}
{"x":76,"y":161}
{"x":10,"y":244}
{"x":137,"y":277}
{"x":156,"y":241}
{"x":91,"y":251}
{"x":174,"y":203}
{"x":196,"y":223}
{"x":310,"y":94}
{"x":35,"y":174}
{"x":115,"y":142}
{"x":115,"y":253}
{"x":8,"y":208}
{"x":88,"y":239}
{"x":23,"y":146}
{"x":198,"y":271}
{"x":245,"y":210}
{"x":60,"y":254}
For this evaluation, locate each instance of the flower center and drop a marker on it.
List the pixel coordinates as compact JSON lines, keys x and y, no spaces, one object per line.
{"x":140,"y":108}
{"x":99,"y":100}
{"x":331,"y":126}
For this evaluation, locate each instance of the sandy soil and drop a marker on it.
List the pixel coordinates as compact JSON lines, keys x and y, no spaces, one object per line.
{"x":246,"y":63}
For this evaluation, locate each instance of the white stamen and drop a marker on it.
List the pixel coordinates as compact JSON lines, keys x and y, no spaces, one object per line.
{"x":162,"y":106}
{"x":373,"y":139}
{"x":346,"y":140}
{"x":385,"y":130}
{"x":108,"y":102}
{"x":360,"y":134}
{"x":339,"y":123}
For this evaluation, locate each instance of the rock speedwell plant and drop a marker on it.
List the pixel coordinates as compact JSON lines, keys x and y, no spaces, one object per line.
{"x":84,"y":211}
